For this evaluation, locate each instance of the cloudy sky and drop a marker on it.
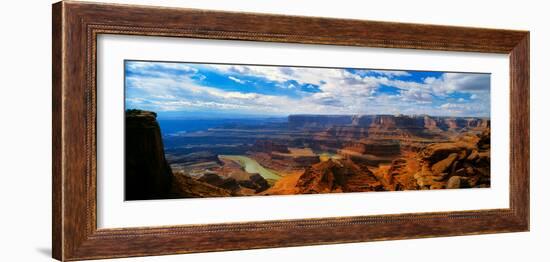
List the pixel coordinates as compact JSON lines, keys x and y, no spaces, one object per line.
{"x":188,"y":89}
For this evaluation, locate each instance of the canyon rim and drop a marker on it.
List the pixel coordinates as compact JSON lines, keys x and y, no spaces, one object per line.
{"x":223,"y":130}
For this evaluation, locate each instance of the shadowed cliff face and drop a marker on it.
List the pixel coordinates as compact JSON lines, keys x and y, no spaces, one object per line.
{"x":147,"y":174}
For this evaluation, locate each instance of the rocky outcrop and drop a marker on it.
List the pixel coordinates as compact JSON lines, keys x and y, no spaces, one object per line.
{"x":445,"y":164}
{"x":454,"y":182}
{"x":295,"y":158}
{"x":434,"y":153}
{"x":373,"y":147}
{"x":147,"y":174}
{"x":255,"y":182}
{"x":337,"y":176}
{"x":385,"y":122}
{"x":464,"y":163}
{"x":217,"y":181}
{"x":477,"y":123}
{"x":430,"y":123}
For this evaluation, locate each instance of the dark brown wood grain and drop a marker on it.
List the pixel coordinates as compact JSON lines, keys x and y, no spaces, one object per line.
{"x":76,"y":26}
{"x":57,"y":216}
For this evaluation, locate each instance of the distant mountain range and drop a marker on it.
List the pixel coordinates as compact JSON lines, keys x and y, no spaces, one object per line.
{"x":388,"y":121}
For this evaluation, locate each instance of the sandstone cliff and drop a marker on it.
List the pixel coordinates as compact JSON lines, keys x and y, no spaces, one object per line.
{"x":147,"y":174}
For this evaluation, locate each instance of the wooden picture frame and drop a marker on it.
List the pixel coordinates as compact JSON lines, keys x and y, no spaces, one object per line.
{"x":76,"y":26}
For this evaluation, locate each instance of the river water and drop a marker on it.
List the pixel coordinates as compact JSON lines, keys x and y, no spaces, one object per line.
{"x":251,"y":166}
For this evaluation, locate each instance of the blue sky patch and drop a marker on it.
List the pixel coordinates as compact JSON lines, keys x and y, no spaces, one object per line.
{"x":192,"y":88}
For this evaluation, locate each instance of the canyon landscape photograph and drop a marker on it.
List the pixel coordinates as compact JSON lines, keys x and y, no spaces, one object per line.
{"x":200,"y":130}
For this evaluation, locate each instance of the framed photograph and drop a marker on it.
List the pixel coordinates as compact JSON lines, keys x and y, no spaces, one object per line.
{"x":182,"y":130}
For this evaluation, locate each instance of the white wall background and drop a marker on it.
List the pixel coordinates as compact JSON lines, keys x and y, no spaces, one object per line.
{"x":25,"y":136}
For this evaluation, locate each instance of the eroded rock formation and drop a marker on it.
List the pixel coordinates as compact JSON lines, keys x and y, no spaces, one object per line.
{"x":337,"y":176}
{"x":263,"y":145}
{"x":464,"y":163}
